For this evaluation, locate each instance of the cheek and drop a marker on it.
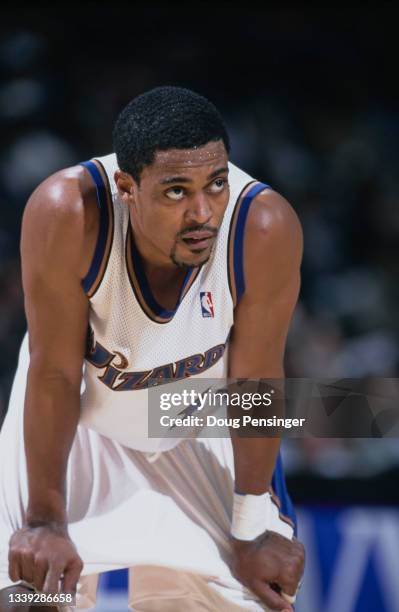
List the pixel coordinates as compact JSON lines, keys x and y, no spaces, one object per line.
{"x":163,"y":223}
{"x":152,"y":216}
{"x":221,"y":206}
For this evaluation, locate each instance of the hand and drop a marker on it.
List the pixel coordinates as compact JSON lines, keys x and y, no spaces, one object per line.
{"x":43,"y":556}
{"x":269,"y":565}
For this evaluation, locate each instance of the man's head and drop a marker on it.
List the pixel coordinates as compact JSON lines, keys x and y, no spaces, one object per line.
{"x":172,"y":149}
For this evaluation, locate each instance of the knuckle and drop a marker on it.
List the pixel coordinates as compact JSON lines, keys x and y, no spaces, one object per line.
{"x":299,"y":561}
{"x":27,"y":555}
{"x":13,"y":552}
{"x":290,"y":572}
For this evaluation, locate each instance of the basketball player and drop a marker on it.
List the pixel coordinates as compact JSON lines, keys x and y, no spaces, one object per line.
{"x":180,"y":265}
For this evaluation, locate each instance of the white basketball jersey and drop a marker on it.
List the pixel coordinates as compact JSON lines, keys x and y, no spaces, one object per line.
{"x":133,"y":341}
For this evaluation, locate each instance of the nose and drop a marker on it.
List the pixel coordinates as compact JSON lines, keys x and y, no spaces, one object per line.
{"x":199,"y":210}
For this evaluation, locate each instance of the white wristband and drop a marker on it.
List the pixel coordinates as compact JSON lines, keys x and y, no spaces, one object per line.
{"x":251,"y":515}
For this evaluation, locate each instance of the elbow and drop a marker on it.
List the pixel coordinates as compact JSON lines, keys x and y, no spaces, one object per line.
{"x":53,"y":374}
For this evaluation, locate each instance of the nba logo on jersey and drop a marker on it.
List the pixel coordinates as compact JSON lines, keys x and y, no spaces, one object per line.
{"x":207,"y":304}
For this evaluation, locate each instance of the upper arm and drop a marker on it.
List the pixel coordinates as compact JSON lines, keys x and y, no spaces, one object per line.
{"x":54,"y":258}
{"x":271,"y":259}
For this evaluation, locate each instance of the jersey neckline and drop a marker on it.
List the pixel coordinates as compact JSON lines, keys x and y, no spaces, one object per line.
{"x":141,"y":288}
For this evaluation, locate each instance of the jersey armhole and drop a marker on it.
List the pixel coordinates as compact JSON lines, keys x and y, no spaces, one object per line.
{"x":94,"y":276}
{"x":235,"y":248}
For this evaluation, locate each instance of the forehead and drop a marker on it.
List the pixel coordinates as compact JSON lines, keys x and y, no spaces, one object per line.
{"x":187,"y":161}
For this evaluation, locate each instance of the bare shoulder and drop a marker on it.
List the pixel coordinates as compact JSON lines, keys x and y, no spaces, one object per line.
{"x":61,"y":217}
{"x":272,"y":220}
{"x":66,"y":197}
{"x":273,"y":245}
{"x":271,"y":261}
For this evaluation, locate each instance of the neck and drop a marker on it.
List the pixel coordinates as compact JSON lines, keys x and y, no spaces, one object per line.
{"x":159,"y":269}
{"x":151,"y":256}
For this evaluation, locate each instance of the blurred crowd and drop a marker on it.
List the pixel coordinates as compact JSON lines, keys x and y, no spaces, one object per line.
{"x":310,"y":111}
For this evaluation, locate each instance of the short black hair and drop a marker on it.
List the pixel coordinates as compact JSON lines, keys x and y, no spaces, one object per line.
{"x":164,"y":118}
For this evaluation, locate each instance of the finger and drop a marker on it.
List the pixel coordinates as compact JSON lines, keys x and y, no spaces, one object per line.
{"x":290,"y":598}
{"x":39,"y":573}
{"x":299,"y":553}
{"x":272,"y":599}
{"x":14,"y":569}
{"x":287,"y":581}
{"x":27,"y":566}
{"x":71,"y":577}
{"x":298,"y":543}
{"x":53,"y":576}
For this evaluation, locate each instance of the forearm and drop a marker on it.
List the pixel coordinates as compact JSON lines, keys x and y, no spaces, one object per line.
{"x":51,"y":415}
{"x":255,"y":457}
{"x":254,"y":461}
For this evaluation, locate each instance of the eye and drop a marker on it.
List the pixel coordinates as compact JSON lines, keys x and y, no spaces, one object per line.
{"x":218,"y":185}
{"x":175,"y":193}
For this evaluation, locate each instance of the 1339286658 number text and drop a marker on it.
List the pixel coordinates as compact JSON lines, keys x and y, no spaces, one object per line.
{"x":30,"y":599}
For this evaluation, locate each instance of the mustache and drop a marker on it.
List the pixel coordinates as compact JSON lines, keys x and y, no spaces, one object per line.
{"x":197,"y":228}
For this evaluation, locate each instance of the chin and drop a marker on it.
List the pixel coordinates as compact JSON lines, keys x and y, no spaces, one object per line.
{"x":198,"y":259}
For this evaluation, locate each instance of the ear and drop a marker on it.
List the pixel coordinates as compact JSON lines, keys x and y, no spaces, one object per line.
{"x":125,"y":185}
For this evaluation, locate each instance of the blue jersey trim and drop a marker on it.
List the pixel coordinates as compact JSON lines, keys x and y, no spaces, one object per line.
{"x":239,"y":238}
{"x":280,"y":489}
{"x":145,"y":288}
{"x":101,"y":190}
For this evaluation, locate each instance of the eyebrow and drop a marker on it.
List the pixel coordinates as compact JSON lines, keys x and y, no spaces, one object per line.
{"x":183,"y":179}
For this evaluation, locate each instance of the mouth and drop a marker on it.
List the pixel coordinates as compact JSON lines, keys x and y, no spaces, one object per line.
{"x":198,"y":241}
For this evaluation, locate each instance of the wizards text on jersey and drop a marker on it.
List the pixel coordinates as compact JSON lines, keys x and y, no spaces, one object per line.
{"x":115,"y":378}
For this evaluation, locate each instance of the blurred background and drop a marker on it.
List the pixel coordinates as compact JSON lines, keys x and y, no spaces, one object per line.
{"x":310,"y":98}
